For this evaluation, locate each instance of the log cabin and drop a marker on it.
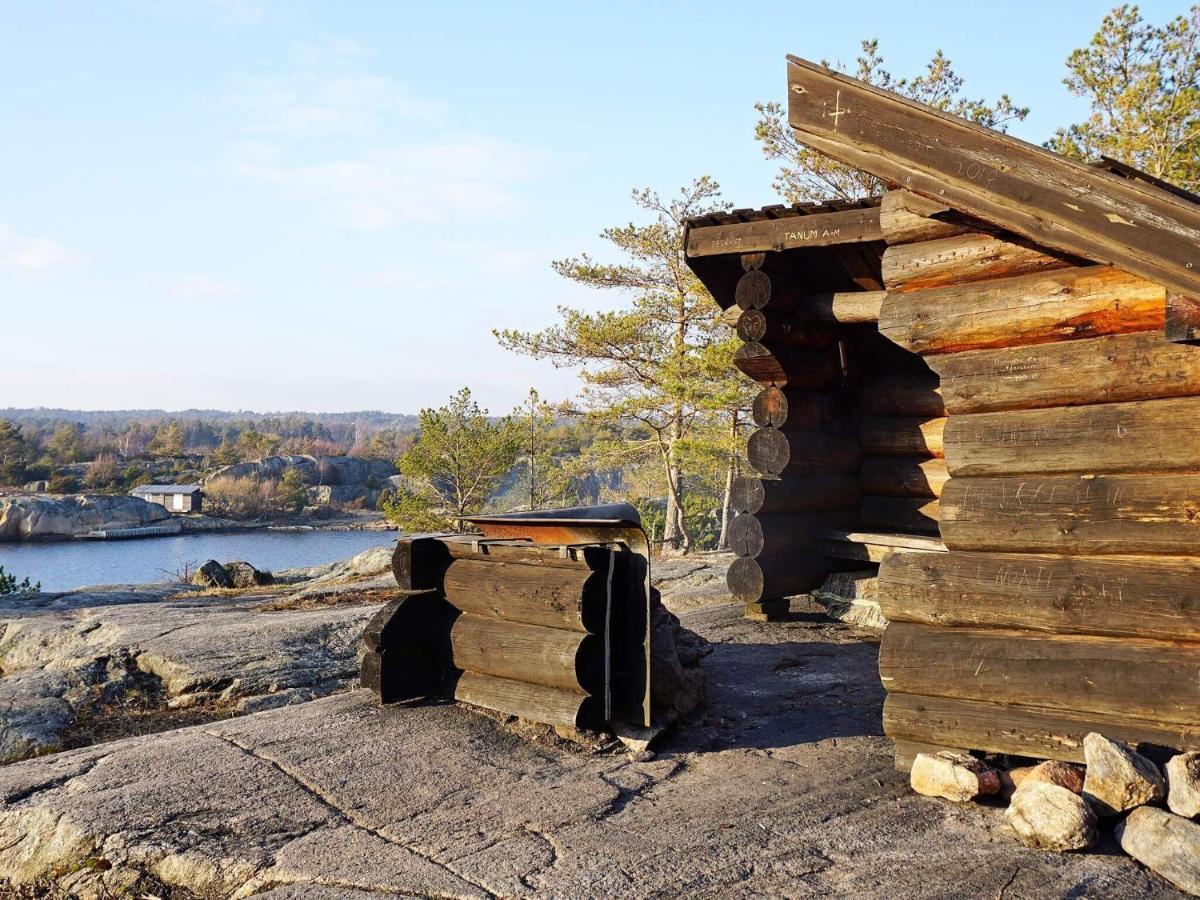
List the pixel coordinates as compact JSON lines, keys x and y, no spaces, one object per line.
{"x":986,"y":382}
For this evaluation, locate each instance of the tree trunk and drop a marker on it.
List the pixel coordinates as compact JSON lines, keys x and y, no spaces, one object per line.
{"x":730,"y":477}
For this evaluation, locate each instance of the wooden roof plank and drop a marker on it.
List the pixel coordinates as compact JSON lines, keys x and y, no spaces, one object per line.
{"x":816,"y":230}
{"x":1049,"y":199}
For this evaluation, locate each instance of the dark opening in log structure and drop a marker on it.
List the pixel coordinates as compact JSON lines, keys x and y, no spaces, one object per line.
{"x":1007,"y":424}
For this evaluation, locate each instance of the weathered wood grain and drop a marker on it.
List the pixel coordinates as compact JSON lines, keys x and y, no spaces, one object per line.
{"x":1071,"y":514}
{"x":817,"y":230}
{"x":845,"y":308}
{"x":905,"y":218}
{"x":897,"y":476}
{"x":536,"y":595}
{"x":1152,"y":597}
{"x":776,"y":408}
{"x":902,"y":395}
{"x":1053,"y":201}
{"x":795,"y":368}
{"x":1066,"y":304}
{"x":776,"y":452}
{"x":1142,"y":436}
{"x":1154,"y":680}
{"x":534,"y":654}
{"x":774,"y":576}
{"x":771,"y":534}
{"x":796,"y":493}
{"x":902,"y":436}
{"x":959,"y":260}
{"x":1021,"y":730}
{"x":538,"y":703}
{"x":1114,"y":368}
{"x":874,"y":547}
{"x":911,"y":515}
{"x":782,"y":330}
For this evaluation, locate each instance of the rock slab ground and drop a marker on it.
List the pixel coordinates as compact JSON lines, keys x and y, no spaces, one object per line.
{"x":783,"y":786}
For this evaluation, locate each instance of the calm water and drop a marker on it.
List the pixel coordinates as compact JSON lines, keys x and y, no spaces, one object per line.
{"x":72,"y":564}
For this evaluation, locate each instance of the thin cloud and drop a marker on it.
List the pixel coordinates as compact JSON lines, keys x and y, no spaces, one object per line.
{"x":365,"y":151}
{"x":387,"y":186}
{"x":328,"y":103}
{"x":29,"y":254}
{"x":193,"y":287}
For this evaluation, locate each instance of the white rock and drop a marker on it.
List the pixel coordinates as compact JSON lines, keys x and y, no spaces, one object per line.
{"x":1167,"y":844}
{"x":953,"y":776}
{"x":1183,"y":784}
{"x":1118,"y":779}
{"x":1047,"y":816}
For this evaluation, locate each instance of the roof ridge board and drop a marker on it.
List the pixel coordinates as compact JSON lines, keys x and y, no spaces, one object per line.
{"x":1000,"y":137}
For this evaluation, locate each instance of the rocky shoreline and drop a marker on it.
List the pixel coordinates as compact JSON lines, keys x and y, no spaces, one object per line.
{"x":32,"y":518}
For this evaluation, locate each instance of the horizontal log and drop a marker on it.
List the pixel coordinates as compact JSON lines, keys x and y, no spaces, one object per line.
{"x":537,"y":595}
{"x":898,"y":476}
{"x":914,"y":515}
{"x":843,"y":307}
{"x":1115,"y":368}
{"x":782,"y":330}
{"x":1140,"y":597}
{"x":771,"y":534}
{"x":1104,"y":514}
{"x":1154,"y":680}
{"x":874,"y":547}
{"x":777,"y":408}
{"x":905,"y":218}
{"x":1143,"y":436}
{"x":788,"y":233}
{"x":958,"y":260}
{"x":1021,"y":730}
{"x":901,"y":436}
{"x":796,"y":493}
{"x":902,"y":395}
{"x":776,"y":452}
{"x":535,"y":654}
{"x":538,"y":703}
{"x":419,"y":563}
{"x":795,"y":368}
{"x":775,"y":576}
{"x":1033,"y":309}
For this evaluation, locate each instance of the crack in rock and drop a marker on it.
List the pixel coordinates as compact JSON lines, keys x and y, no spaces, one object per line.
{"x":345,"y":815}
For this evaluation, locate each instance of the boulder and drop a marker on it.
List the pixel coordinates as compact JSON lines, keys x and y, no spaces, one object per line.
{"x":1118,"y":779}
{"x":1047,"y":816}
{"x":244,"y":575}
{"x":954,"y":776}
{"x":212,"y":574}
{"x":1183,"y":784}
{"x":676,"y":679}
{"x":1057,"y":772}
{"x":852,"y":597}
{"x":1164,"y":843}
{"x":61,"y":518}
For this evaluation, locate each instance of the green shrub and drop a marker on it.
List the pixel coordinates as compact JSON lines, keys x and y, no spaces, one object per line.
{"x":9,"y":586}
{"x":62,"y":483}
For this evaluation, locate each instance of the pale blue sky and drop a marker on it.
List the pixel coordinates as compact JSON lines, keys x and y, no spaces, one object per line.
{"x":268,"y":204}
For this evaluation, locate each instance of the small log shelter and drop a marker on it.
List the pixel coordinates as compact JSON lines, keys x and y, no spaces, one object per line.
{"x":983,"y":382}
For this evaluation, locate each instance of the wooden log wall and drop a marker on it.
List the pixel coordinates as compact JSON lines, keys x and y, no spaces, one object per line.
{"x":518,"y":628}
{"x":1065,"y":465}
{"x":804,"y":452}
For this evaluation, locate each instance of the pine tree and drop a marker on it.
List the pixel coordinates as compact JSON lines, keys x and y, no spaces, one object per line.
{"x":806,"y":175}
{"x":1143,"y":84}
